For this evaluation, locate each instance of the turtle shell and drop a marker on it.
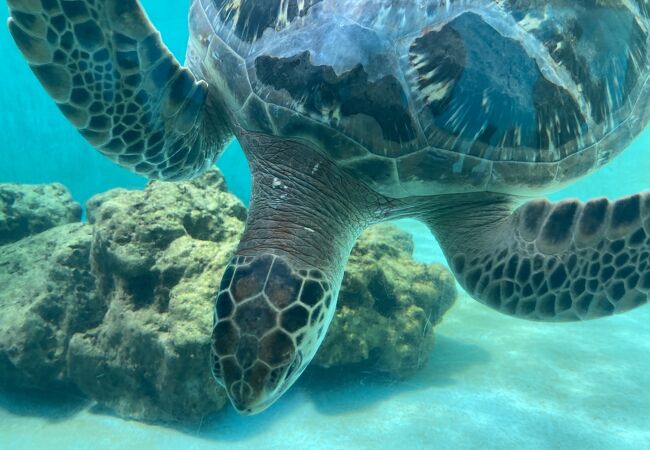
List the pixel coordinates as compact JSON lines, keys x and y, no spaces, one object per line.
{"x":420,"y":97}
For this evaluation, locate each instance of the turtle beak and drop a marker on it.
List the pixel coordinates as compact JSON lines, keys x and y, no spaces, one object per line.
{"x":251,"y":395}
{"x":253,"y":391}
{"x":245,"y":401}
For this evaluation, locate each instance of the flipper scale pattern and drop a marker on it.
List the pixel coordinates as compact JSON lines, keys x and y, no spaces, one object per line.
{"x":109,"y":72}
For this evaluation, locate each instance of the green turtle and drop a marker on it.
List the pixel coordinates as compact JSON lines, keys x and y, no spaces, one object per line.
{"x":353,"y":112}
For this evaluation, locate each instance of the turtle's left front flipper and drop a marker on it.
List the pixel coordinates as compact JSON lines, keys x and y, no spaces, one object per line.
{"x":106,"y":67}
{"x":549,"y":261}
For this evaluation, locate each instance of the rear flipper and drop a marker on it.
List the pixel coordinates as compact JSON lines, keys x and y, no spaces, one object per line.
{"x":554,"y":262}
{"x":110,"y":74}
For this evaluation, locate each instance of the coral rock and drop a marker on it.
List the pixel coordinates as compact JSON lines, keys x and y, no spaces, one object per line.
{"x":388,"y":306}
{"x":121,"y":309}
{"x":158,"y":255}
{"x":30,"y":209}
{"x":48,"y":294}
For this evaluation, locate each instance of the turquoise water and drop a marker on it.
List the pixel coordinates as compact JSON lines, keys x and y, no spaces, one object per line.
{"x":493,"y":381}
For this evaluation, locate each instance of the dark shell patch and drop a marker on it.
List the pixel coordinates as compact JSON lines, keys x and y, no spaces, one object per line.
{"x":326,"y":95}
{"x":473,"y":100}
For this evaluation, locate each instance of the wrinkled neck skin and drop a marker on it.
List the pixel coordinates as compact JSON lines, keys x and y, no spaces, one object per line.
{"x":303,"y":207}
{"x":453,"y":219}
{"x":278,"y":295}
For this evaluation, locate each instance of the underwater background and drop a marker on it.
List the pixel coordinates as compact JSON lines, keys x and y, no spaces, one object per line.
{"x":492,"y":381}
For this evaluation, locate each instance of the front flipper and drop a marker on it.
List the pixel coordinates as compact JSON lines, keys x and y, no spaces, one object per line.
{"x":551,"y":261}
{"x":110,"y":74}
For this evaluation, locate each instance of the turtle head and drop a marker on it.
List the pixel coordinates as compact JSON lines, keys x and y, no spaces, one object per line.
{"x":269,"y":321}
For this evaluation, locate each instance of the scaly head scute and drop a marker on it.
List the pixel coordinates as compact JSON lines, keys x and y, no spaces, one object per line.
{"x":269,"y":321}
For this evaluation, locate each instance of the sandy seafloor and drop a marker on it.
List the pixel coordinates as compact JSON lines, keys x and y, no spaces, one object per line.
{"x":493,"y":382}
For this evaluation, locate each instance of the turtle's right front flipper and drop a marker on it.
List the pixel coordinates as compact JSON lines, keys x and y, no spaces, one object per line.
{"x":110,"y":74}
{"x":547,"y":261}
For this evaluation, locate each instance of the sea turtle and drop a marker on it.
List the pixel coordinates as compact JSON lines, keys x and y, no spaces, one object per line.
{"x":353,"y":112}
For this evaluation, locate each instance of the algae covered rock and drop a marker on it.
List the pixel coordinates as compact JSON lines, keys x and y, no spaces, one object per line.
{"x":133,"y":227}
{"x":29,"y":209}
{"x":388,"y":306}
{"x":158,"y":255}
{"x":47,"y":294}
{"x":121,"y":308}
